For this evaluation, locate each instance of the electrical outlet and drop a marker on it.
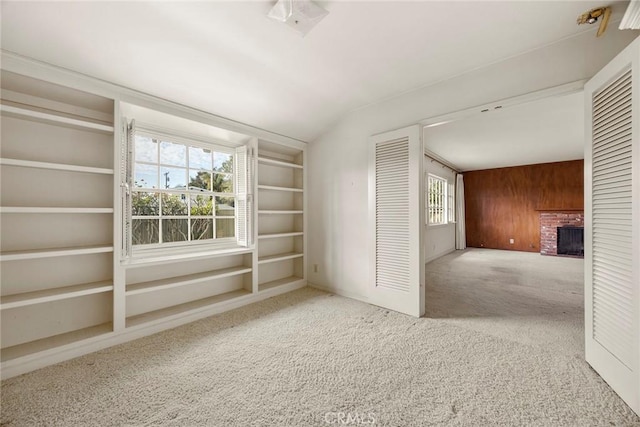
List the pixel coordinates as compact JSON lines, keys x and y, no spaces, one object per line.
{"x":511,"y":241}
{"x":315,"y":268}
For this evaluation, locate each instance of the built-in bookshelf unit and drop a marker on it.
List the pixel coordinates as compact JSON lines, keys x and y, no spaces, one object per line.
{"x":68,"y":284}
{"x":56,"y":256}
{"x":281,"y":222}
{"x":158,"y":292}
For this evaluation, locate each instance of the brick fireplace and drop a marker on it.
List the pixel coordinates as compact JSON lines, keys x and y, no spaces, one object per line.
{"x":549,"y":223}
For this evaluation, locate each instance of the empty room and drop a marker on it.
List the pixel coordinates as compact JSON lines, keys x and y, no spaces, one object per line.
{"x":291,"y":212}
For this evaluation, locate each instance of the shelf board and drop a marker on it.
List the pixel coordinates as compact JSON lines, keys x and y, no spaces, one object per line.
{"x":55,"y":166}
{"x":268,"y":161}
{"x":281,"y":212}
{"x":279,"y":282}
{"x":274,"y":188}
{"x":277,"y":235}
{"x":279,"y":257}
{"x":48,"y":295}
{"x":50,"y":253}
{"x":174,"y":282}
{"x":55,"y":341}
{"x":39,"y":116}
{"x":50,"y":210}
{"x":183,"y":309}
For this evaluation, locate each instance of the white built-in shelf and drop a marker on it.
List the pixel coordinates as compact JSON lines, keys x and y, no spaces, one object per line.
{"x":280,"y":212}
{"x":50,"y":253}
{"x":174,"y":282}
{"x":25,"y":113}
{"x":181,"y":310}
{"x":274,"y":188}
{"x":49,"y":210}
{"x":48,"y":295}
{"x":56,"y":341}
{"x":278,"y":235}
{"x":54,"y":166}
{"x":275,"y":162}
{"x":277,"y":283}
{"x":279,"y":257}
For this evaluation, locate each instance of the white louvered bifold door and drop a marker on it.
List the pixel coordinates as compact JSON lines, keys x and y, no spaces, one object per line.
{"x":396,"y":217}
{"x":612,"y":215}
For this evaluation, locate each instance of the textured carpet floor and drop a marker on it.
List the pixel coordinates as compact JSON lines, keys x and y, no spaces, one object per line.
{"x":303,"y":358}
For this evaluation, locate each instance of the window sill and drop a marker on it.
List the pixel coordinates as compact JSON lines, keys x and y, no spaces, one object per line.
{"x":151,"y":257}
{"x":440,"y":225}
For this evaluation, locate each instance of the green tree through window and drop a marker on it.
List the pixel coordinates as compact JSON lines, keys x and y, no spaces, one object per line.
{"x":181,"y":192}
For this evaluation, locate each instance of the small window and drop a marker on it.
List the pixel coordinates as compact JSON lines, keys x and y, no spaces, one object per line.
{"x":436,"y":200}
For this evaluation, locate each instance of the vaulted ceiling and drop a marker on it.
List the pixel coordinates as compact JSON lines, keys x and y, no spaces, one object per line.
{"x":229,"y":59}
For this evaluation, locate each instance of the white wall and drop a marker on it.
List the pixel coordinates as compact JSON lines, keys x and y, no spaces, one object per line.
{"x":339,"y":229}
{"x":439,"y":239}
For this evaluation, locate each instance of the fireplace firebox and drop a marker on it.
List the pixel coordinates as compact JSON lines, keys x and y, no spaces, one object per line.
{"x":571,"y":241}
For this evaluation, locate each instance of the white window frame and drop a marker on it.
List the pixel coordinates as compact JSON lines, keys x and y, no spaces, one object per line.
{"x":214,"y":245}
{"x":451,"y":202}
{"x":441,"y":197}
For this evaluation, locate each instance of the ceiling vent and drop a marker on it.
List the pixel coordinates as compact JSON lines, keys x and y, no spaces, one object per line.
{"x":301,"y":15}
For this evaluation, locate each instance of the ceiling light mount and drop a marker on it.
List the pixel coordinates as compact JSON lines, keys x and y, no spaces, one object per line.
{"x":592,"y":16}
{"x":301,"y":15}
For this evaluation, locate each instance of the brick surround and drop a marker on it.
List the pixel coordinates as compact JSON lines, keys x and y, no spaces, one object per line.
{"x":549,"y":222}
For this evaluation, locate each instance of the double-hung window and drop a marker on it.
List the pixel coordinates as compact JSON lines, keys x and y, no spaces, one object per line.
{"x":183,"y":193}
{"x":436,"y":200}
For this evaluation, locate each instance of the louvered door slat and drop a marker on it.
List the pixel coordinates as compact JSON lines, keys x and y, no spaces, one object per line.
{"x":612,"y":210}
{"x":612,"y":142}
{"x":611,"y":88}
{"x":392,"y":215}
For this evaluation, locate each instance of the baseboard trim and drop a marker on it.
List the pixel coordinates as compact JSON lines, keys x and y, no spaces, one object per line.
{"x":340,"y":292}
{"x":440,"y":255}
{"x":32,"y":362}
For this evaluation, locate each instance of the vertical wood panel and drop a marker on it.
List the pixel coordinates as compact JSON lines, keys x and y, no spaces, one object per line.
{"x":505,"y":203}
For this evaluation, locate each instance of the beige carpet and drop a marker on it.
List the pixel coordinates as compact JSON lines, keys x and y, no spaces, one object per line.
{"x":310,"y":358}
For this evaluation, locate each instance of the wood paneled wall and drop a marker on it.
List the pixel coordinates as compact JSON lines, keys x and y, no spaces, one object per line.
{"x":505,"y":203}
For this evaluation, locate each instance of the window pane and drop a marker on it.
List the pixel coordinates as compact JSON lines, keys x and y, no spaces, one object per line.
{"x":225,"y":228}
{"x":222,"y":162}
{"x":174,"y":204}
{"x":222,"y":183}
{"x":200,"y":158}
{"x":201,"y":205}
{"x":145,"y":204}
{"x":225,"y":206}
{"x":173,"y":177}
{"x":437,"y":200}
{"x":201,"y":229}
{"x":146,"y":149}
{"x":145,"y":176}
{"x":173,"y":154}
{"x":199,"y":179}
{"x":144,"y":231}
{"x":175,"y":230}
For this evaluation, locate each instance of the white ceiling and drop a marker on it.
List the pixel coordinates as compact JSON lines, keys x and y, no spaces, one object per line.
{"x":546,"y":130}
{"x":229,"y":59}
